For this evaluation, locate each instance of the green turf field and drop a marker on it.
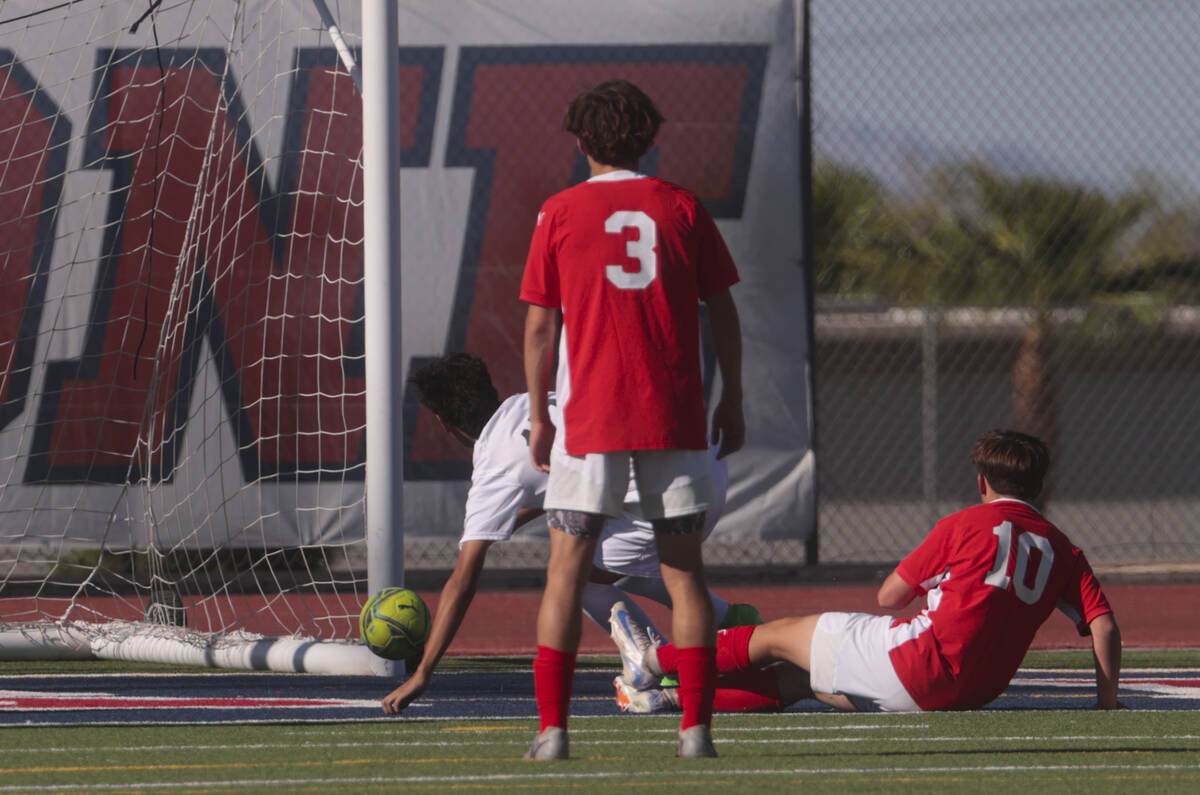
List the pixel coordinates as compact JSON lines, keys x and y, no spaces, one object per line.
{"x":984,"y":751}
{"x":988,"y":751}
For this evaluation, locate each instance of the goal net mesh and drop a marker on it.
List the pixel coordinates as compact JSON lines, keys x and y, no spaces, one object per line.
{"x":181,"y":353}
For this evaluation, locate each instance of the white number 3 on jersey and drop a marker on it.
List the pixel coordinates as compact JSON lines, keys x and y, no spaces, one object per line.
{"x":640,"y":248}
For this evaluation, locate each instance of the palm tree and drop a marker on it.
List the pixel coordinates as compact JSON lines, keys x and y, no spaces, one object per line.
{"x":1041,"y":245}
{"x":977,"y":236}
{"x":857,"y":231}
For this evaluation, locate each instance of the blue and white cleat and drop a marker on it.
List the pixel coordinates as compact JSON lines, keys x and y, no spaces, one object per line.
{"x":632,"y":643}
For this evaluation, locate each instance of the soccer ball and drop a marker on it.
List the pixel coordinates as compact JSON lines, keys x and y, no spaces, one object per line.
{"x":395,"y":624}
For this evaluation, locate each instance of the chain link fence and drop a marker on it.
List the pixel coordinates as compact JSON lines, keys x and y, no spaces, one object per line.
{"x":1006,"y":232}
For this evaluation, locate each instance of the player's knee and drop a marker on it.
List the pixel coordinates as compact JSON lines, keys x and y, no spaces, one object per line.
{"x":679,"y":525}
{"x":576,"y":523}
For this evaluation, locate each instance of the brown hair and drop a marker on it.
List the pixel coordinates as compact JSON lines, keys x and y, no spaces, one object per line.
{"x":615,"y":122}
{"x":459,"y":389}
{"x":1014,"y":463}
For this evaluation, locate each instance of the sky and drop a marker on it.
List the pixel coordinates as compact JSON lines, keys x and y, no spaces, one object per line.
{"x":1095,"y":91}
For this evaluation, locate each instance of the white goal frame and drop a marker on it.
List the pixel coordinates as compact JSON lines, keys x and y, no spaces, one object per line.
{"x":159,"y":637}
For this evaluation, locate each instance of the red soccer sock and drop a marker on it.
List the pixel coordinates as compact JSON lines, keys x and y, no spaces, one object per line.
{"x":668,"y":661}
{"x":756,"y":690}
{"x":697,"y":681}
{"x":733,"y":652}
{"x":553,"y":674}
{"x":733,"y":649}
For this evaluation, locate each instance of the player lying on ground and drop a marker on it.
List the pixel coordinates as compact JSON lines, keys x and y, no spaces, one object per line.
{"x":505,"y":493}
{"x":990,"y":574}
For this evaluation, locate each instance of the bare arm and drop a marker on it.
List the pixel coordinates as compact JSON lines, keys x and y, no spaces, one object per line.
{"x":729,"y":421}
{"x":456,"y":597}
{"x":895,"y":593}
{"x":541,"y":324}
{"x":1106,"y":647}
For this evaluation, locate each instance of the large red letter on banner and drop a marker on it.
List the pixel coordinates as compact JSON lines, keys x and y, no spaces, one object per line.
{"x":507,"y":125}
{"x":208,"y":257}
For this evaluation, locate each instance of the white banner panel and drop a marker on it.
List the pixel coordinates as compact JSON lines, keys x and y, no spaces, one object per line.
{"x":183,"y":332}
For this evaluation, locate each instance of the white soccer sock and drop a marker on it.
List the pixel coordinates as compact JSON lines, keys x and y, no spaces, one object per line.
{"x":599,"y":599}
{"x":654,"y":589}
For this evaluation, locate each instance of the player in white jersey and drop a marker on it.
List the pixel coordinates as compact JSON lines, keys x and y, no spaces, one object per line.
{"x":506,"y":492}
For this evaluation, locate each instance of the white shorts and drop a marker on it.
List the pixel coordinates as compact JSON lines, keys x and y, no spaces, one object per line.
{"x":849,"y":657}
{"x":670,"y":483}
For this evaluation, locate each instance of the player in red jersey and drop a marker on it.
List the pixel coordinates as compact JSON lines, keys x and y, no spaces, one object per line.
{"x":626,"y":258}
{"x":506,"y":492}
{"x":990,"y":575}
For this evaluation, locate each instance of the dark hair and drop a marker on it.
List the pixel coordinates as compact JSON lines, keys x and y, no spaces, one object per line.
{"x":1014,"y":463}
{"x":459,"y":389}
{"x":615,"y":122}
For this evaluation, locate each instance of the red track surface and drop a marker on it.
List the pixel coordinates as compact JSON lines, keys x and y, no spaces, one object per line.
{"x":503,"y":622}
{"x":1150,"y":616}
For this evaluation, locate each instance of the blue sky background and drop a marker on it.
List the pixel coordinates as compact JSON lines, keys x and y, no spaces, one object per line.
{"x":1093,"y":91}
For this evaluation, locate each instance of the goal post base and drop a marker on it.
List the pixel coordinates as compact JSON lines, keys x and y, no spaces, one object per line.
{"x":154,"y":643}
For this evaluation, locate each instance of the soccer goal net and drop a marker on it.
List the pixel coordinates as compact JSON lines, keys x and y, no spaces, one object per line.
{"x":182,"y":404}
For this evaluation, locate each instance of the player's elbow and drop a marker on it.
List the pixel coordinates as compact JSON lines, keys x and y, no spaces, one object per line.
{"x":1104,"y":629}
{"x":895,"y":593}
{"x":888,"y":602}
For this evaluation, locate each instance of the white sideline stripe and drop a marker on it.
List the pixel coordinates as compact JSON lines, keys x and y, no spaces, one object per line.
{"x":543,"y":775}
{"x":205,"y":672}
{"x":516,"y":730}
{"x":523,"y":740}
{"x":381,"y":718}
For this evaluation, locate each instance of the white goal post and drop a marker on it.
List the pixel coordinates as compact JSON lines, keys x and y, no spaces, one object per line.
{"x":193,"y":262}
{"x":199,"y":278}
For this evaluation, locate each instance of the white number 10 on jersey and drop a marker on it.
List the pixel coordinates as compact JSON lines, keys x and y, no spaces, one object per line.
{"x":640,"y":248}
{"x":998,"y":577}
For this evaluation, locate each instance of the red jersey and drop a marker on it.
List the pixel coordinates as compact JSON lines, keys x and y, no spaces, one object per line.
{"x":628,"y":258}
{"x":991,"y":575}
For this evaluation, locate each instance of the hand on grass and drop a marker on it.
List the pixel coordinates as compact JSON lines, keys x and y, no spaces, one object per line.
{"x":395,"y":701}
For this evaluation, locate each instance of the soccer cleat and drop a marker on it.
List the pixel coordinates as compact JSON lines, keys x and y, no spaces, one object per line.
{"x":644,"y":702}
{"x":632,"y":643}
{"x":741,"y":615}
{"x":695,"y":743}
{"x":551,"y":743}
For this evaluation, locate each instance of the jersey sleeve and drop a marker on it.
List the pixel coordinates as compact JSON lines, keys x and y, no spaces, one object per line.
{"x":715,"y":269}
{"x":1082,"y":600}
{"x":491,"y":512}
{"x":924,"y":567}
{"x":539,"y":284}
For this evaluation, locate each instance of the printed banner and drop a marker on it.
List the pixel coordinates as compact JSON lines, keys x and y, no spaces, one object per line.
{"x":182,"y":288}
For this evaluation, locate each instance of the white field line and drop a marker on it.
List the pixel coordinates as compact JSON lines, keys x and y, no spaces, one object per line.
{"x":542,"y":775}
{"x":381,"y":718}
{"x":218,"y":674}
{"x":522,"y":740}
{"x":522,"y":730}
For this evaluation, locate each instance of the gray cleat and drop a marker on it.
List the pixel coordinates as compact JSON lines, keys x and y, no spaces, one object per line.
{"x":695,"y":743}
{"x":551,"y":743}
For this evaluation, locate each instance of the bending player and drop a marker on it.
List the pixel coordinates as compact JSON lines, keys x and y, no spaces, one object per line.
{"x":990,"y":574}
{"x":505,"y":493}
